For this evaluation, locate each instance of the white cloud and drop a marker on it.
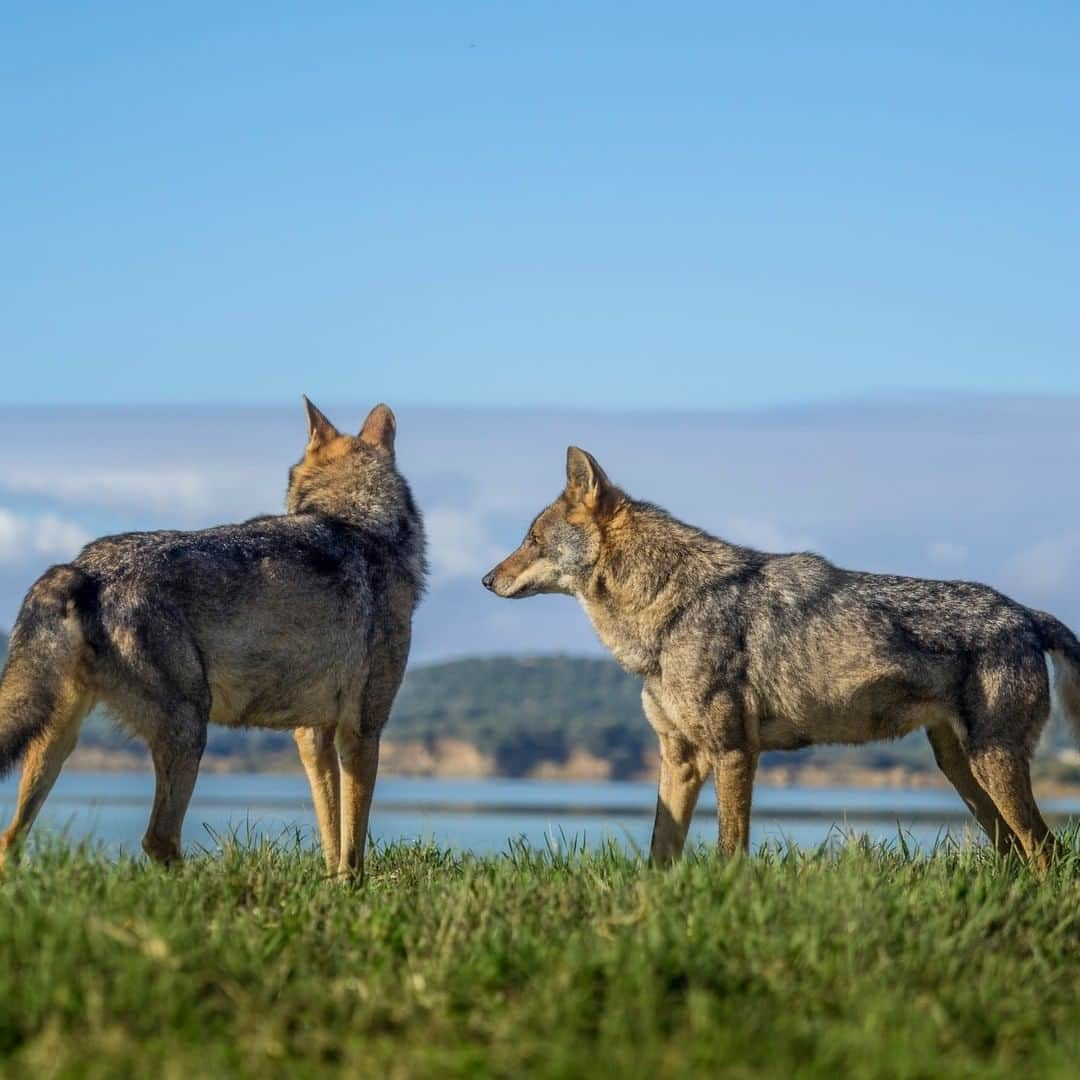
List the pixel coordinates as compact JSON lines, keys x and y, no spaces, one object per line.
{"x":154,"y":489}
{"x":764,"y":535}
{"x":1049,"y":565}
{"x":458,"y":544}
{"x":24,"y":537}
{"x":946,"y":553}
{"x":189,"y":495}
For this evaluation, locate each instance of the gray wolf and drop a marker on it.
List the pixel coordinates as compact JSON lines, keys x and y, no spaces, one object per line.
{"x":743,"y":651}
{"x":300,"y":621}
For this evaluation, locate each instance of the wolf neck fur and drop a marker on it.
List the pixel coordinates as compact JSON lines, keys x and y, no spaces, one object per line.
{"x":651,"y":568}
{"x":384,"y":514}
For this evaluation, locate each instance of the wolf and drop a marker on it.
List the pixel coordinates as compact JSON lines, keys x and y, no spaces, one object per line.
{"x":743,"y":651}
{"x":299,"y":622}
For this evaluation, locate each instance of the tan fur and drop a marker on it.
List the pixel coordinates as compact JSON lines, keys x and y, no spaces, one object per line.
{"x":743,"y":652}
{"x":320,"y":761}
{"x":71,"y":700}
{"x":380,"y":428}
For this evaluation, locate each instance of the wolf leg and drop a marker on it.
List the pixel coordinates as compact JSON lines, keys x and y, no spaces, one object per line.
{"x":358,"y":748}
{"x":176,"y":748}
{"x":734,"y":779}
{"x":953,"y":762}
{"x":320,"y":761}
{"x":359,"y":754}
{"x":1005,"y":775}
{"x":681,"y":778}
{"x":45,"y":757}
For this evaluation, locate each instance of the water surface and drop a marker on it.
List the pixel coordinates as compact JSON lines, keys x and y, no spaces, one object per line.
{"x":486,"y":816}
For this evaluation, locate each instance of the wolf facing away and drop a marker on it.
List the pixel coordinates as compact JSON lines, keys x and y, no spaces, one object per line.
{"x":743,"y":651}
{"x":300,"y":622}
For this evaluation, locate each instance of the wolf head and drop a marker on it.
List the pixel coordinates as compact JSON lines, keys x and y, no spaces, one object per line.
{"x":565,"y":541}
{"x":352,"y":477}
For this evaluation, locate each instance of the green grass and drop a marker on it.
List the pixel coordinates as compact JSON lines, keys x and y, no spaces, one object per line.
{"x":863,"y":961}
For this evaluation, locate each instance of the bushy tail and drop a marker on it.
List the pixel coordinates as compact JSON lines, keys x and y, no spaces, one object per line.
{"x":1063,"y":647}
{"x":43,"y":683}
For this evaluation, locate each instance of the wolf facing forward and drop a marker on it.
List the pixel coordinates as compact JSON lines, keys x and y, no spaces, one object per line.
{"x":743,"y":652}
{"x":300,"y":621}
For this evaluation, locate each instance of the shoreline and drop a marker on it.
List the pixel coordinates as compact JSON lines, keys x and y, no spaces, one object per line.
{"x":578,"y":767}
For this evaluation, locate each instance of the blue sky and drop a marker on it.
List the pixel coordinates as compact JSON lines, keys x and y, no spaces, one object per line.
{"x":591,"y":205}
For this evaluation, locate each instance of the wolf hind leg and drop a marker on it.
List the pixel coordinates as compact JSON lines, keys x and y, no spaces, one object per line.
{"x":320,"y":760}
{"x":176,"y":748}
{"x":952,"y":759}
{"x":1005,"y":774}
{"x":44,"y":758}
{"x":358,"y":752}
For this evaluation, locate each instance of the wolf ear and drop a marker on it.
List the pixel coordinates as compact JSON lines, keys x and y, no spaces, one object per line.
{"x":320,"y":430}
{"x":380,"y":428}
{"x":586,"y":482}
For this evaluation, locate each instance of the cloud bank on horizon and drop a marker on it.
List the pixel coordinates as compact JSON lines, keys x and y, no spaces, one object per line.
{"x":965,"y":487}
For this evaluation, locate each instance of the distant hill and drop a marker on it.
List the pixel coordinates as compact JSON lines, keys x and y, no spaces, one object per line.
{"x":521,"y":714}
{"x":524,"y":710}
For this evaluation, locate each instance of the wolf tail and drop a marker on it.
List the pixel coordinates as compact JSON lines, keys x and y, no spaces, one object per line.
{"x":44,"y":680}
{"x":1063,"y":648}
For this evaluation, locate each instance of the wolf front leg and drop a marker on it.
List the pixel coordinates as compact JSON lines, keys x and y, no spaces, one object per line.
{"x":681,"y":778}
{"x":734,"y":779}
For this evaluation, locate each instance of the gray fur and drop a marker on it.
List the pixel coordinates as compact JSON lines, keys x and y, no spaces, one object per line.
{"x":300,"y":621}
{"x":743,"y":651}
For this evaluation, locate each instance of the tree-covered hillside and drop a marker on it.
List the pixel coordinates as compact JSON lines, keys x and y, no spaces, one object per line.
{"x":525,"y":710}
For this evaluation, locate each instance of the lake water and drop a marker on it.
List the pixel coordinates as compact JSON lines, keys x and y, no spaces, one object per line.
{"x":486,"y":816}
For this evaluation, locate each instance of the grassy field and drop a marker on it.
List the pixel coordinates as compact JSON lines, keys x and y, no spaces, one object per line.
{"x":860,"y":962}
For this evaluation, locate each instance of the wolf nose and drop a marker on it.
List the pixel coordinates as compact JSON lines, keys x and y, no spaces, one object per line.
{"x":488,"y":580}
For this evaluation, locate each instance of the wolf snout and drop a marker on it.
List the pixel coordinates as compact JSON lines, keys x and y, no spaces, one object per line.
{"x":488,"y":580}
